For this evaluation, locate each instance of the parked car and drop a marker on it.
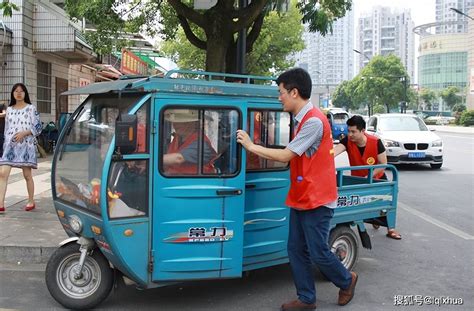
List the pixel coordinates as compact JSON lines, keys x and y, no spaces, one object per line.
{"x":407,"y":139}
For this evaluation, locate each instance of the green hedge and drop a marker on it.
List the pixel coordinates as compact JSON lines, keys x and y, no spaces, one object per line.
{"x":467,"y":118}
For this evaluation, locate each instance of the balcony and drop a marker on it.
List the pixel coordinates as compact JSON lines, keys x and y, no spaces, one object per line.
{"x":54,"y":33}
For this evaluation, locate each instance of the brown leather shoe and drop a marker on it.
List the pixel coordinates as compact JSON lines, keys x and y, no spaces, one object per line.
{"x":345,"y":295}
{"x":298,"y":305}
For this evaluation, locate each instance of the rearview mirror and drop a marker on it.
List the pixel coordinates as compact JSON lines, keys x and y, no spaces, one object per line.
{"x":126,"y":134}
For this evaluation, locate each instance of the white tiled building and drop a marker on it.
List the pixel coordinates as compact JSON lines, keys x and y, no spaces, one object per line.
{"x":383,"y":32}
{"x":330,"y":59}
{"x":46,"y":51}
{"x":445,"y":14}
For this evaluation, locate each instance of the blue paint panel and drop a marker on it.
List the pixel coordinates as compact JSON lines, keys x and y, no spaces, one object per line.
{"x":266,"y":219}
{"x":132,"y":251}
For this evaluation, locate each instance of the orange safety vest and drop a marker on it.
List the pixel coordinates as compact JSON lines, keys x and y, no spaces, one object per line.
{"x":313,"y":179}
{"x":187,"y":168}
{"x":368,"y":158}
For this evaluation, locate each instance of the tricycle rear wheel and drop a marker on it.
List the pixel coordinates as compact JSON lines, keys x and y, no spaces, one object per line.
{"x":84,"y":292}
{"x":343,"y":243}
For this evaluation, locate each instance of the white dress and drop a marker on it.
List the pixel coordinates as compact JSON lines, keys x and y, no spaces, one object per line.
{"x":21,"y":154}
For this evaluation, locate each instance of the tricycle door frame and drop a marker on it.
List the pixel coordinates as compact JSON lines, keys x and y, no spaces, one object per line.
{"x":197,"y":224}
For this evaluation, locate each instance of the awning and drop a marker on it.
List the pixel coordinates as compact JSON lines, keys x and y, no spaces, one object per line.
{"x":6,"y":34}
{"x":103,"y":87}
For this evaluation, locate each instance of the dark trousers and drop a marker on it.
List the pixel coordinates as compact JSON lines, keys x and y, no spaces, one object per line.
{"x":2,"y":140}
{"x":308,"y":245}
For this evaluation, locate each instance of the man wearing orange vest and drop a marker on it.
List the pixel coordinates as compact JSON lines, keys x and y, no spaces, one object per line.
{"x":363,"y":149}
{"x":313,"y":192}
{"x":181,"y":157}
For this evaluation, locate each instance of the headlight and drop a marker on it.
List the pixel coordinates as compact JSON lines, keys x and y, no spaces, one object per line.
{"x":75,"y":223}
{"x":437,"y":143}
{"x":390,"y":143}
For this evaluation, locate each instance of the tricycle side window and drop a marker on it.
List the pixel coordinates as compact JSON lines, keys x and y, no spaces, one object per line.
{"x":83,"y":148}
{"x":199,"y":142}
{"x":271,"y":129}
{"x":128,"y":180}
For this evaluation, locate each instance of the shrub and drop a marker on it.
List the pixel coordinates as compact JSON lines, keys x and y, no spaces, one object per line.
{"x":467,"y":118}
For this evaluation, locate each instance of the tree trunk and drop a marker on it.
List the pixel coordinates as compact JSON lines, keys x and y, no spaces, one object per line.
{"x":216,"y":55}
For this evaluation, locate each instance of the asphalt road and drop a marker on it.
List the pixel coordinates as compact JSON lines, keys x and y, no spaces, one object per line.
{"x":434,"y":260}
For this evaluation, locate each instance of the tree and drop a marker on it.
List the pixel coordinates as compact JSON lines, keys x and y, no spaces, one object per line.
{"x":271,"y":49}
{"x":450,"y":96}
{"x":8,"y":7}
{"x":384,"y":81}
{"x":427,"y":96}
{"x":220,"y":24}
{"x":343,"y":96}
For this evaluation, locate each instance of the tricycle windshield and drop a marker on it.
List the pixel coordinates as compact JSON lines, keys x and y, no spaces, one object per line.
{"x":82,"y":150}
{"x":341,"y":118}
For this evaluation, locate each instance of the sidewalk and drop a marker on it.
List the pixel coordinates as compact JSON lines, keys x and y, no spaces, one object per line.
{"x":29,"y":237}
{"x":452,"y":129}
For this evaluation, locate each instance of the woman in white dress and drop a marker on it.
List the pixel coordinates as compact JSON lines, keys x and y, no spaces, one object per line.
{"x":22,"y":125}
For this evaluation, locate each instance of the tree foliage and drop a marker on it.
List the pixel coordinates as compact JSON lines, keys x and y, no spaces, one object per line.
{"x":271,"y":49}
{"x":450,"y":96}
{"x":427,"y":96}
{"x":213,"y":30}
{"x":7,"y":8}
{"x":343,"y":96}
{"x":384,"y":81}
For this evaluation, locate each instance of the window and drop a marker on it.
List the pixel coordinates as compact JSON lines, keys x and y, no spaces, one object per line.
{"x":128,"y":189}
{"x":82,"y":151}
{"x":269,"y":129}
{"x":199,"y":142}
{"x":44,"y":86}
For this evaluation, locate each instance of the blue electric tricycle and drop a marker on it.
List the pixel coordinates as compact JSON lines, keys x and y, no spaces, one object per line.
{"x":151,"y":186}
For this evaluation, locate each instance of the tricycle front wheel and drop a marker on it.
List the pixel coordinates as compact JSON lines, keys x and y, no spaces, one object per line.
{"x":75,"y":291}
{"x":343,"y":243}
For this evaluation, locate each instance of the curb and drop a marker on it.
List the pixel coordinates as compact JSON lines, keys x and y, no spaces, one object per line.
{"x":26,"y":254}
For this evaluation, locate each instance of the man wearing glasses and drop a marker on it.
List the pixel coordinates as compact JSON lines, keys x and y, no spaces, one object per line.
{"x":313,"y":192}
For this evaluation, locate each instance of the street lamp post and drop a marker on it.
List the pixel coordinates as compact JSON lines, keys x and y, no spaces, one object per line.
{"x":359,"y":52}
{"x":461,"y":13}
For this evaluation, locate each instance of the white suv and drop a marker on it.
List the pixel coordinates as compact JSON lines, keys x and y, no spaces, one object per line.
{"x":407,"y":139}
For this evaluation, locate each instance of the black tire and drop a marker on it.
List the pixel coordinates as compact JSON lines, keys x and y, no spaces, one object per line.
{"x":436,"y":166}
{"x":344,"y":244}
{"x":88,"y":291}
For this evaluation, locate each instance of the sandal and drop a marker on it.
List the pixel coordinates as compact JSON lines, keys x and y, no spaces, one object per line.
{"x":30,"y":207}
{"x":393,"y":234}
{"x":2,"y":210}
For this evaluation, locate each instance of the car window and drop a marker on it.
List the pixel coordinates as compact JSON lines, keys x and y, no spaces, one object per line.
{"x":401,"y":123}
{"x":372,"y":122}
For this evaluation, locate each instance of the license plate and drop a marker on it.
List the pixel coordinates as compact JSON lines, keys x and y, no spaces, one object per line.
{"x":416,"y":155}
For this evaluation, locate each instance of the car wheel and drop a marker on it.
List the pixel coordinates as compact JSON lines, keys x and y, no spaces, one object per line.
{"x":436,"y":166}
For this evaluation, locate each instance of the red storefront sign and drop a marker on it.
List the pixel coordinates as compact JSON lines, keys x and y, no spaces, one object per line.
{"x":132,"y":64}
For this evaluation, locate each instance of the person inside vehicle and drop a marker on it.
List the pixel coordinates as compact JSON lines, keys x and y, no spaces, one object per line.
{"x":363,"y":149}
{"x":182,"y":155}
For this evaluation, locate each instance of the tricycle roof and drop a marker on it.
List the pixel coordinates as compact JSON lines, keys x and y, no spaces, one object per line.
{"x":242,"y":85}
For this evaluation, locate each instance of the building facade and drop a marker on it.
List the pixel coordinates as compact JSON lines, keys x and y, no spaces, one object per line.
{"x":470,"y":62}
{"x":46,"y":52}
{"x":449,"y":20}
{"x":328,"y":59}
{"x":384,"y":32}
